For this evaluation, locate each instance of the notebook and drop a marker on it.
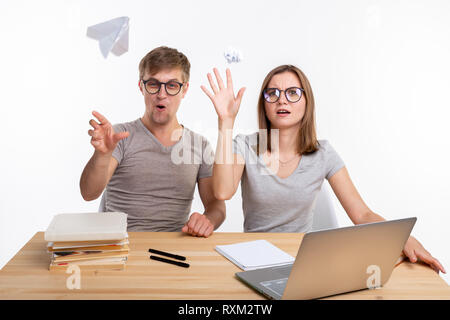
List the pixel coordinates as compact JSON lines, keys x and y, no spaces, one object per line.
{"x":87,"y":227}
{"x":255,"y":254}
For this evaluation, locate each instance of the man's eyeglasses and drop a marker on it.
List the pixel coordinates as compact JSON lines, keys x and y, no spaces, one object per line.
{"x":152,"y":86}
{"x":292,"y":94}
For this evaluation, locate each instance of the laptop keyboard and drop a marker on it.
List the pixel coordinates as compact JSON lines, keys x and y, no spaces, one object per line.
{"x":276,"y":286}
{"x":283,"y":271}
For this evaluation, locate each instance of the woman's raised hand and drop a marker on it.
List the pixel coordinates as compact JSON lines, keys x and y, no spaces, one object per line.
{"x":223,"y":98}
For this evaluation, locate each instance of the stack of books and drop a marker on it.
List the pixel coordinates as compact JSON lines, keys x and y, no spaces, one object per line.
{"x":89,"y":240}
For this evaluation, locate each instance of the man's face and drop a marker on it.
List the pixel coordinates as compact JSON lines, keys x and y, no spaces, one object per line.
{"x":161,"y":107}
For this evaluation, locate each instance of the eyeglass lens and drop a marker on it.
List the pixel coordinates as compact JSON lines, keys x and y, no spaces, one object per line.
{"x":172,"y":87}
{"x":273,"y":94}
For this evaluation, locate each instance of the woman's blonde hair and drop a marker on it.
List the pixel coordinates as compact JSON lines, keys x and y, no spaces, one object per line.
{"x":307,"y":133}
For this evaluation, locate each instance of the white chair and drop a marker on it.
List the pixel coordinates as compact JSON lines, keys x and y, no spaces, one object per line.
{"x":101,"y":207}
{"x":324,"y":213}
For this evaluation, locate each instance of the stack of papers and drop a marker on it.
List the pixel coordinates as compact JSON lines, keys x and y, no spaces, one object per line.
{"x":88,"y":240}
{"x":253,"y":255}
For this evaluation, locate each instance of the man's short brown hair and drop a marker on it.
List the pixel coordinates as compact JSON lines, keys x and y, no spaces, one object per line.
{"x":164,"y":58}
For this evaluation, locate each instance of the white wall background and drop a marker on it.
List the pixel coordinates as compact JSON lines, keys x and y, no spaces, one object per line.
{"x":380,"y":72}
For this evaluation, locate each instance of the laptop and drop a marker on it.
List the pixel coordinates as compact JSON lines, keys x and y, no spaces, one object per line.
{"x":335,"y":261}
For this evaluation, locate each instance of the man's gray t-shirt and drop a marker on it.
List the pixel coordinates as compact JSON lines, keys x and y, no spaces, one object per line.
{"x":273,"y":204}
{"x":154,"y":184}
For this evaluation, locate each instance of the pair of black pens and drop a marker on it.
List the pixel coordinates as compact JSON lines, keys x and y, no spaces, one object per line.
{"x":170,"y":255}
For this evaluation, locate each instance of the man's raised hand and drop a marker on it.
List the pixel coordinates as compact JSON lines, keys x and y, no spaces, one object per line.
{"x":104,"y":140}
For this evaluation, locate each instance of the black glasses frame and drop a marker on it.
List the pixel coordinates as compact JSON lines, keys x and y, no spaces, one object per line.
{"x":162,"y":83}
{"x":278,"y":91}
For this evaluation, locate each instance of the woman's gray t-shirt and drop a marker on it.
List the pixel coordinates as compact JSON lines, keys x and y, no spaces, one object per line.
{"x":273,"y":204}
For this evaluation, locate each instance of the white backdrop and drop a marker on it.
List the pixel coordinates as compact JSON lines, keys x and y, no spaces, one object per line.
{"x":380,"y":72}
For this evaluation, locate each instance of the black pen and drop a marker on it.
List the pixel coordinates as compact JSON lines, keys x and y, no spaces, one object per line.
{"x":181,"y":264}
{"x":170,"y":255}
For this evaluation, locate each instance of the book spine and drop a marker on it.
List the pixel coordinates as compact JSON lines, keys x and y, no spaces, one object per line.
{"x":63,"y":267}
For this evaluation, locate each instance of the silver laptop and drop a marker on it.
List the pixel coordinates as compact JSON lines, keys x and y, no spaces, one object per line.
{"x":335,"y":261}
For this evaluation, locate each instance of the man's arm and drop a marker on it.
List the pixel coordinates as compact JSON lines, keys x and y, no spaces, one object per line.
{"x":203,"y":225}
{"x":96,"y":175}
{"x":101,"y":166}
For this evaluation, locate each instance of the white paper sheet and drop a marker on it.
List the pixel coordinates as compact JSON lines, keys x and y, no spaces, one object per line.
{"x":254,"y":254}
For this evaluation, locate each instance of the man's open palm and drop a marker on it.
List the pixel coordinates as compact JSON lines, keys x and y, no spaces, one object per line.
{"x":104,"y":139}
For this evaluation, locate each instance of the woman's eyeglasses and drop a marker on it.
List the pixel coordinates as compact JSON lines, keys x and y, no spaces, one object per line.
{"x":292,"y":94}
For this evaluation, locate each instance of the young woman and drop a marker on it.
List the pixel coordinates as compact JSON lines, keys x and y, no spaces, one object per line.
{"x":282,"y":172}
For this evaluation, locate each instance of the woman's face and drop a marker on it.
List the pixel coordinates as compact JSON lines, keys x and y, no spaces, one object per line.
{"x":284,"y":114}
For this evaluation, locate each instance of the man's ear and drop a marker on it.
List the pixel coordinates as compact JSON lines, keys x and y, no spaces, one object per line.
{"x":140,"y":86}
{"x":185,"y":89}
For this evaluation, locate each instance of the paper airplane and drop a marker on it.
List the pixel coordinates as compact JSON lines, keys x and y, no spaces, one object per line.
{"x":112,"y":35}
{"x":233,"y":55}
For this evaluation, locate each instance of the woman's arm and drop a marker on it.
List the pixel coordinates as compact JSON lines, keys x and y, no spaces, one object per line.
{"x":228,"y":167}
{"x":360,"y":213}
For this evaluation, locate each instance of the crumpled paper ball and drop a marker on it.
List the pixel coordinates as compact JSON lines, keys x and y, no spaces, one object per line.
{"x":233,"y":55}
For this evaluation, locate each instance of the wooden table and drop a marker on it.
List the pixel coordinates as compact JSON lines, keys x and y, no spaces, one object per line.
{"x":210,"y":275}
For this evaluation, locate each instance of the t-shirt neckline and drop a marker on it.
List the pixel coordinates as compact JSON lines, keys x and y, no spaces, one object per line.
{"x":152,"y":136}
{"x":300,"y":165}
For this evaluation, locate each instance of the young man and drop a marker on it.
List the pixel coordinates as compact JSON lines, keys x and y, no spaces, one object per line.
{"x":139,"y":162}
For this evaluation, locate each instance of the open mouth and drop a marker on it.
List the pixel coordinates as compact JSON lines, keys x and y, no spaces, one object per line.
{"x":283,"y":111}
{"x":160,"y":107}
